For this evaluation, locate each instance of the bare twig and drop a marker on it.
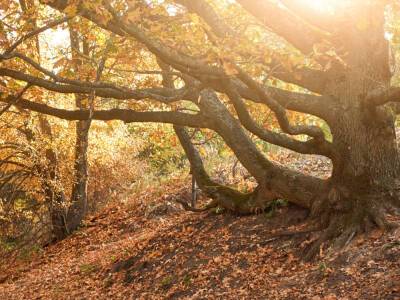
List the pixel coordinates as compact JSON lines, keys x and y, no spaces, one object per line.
{"x":35,"y":32}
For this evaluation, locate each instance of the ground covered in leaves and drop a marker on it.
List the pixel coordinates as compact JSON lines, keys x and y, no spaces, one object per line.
{"x":151,"y":249}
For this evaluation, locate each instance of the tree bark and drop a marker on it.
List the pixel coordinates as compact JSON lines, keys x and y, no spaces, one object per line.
{"x":274,"y":181}
{"x":364,"y":184}
{"x":79,"y":198}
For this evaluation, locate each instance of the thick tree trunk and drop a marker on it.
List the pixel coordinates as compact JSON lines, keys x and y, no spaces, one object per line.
{"x":364,"y":180}
{"x":368,"y":151}
{"x":365,"y":173}
{"x":364,"y":184}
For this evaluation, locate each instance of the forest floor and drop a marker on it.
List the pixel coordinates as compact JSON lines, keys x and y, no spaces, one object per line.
{"x":149,"y":248}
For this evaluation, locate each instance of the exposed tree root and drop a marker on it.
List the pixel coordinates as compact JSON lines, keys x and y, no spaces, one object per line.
{"x":343,"y":227}
{"x":230,"y":200}
{"x":337,"y":227}
{"x":345,"y":212}
{"x":188,"y":207}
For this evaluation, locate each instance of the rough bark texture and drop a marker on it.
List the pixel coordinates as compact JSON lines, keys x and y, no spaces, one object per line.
{"x":274,"y":181}
{"x":364,"y":181}
{"x":364,"y":136}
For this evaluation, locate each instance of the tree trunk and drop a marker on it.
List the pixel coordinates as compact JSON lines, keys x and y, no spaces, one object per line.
{"x":366,"y":170}
{"x":78,"y":207}
{"x":363,"y":187}
{"x":55,"y":198}
{"x":364,"y":182}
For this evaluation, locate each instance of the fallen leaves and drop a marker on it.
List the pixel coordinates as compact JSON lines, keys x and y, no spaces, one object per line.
{"x":182,"y":255}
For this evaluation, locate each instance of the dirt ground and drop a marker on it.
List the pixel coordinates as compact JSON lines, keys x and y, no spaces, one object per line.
{"x":155,"y":250}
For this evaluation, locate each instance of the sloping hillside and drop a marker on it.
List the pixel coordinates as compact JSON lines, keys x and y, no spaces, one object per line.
{"x":145,"y":251}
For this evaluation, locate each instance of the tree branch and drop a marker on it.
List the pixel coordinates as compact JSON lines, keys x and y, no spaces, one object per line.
{"x":164,"y":95}
{"x":280,"y":111}
{"x":222,"y":195}
{"x":288,"y":26}
{"x":207,"y":13}
{"x":36,"y":32}
{"x":125,"y":115}
{"x":15,"y":100}
{"x":310,"y":79}
{"x":319,"y":106}
{"x":313,"y":80}
{"x":316,"y":105}
{"x":310,"y":147}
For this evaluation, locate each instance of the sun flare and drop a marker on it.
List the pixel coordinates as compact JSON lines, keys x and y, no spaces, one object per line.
{"x":326,"y":6}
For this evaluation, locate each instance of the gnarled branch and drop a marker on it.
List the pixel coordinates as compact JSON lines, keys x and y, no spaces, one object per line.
{"x":164,"y":95}
{"x":288,"y":184}
{"x":222,"y":195}
{"x":280,"y":111}
{"x":310,"y":147}
{"x":125,"y":115}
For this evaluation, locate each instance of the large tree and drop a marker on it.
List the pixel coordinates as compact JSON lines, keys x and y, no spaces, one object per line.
{"x":222,"y":55}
